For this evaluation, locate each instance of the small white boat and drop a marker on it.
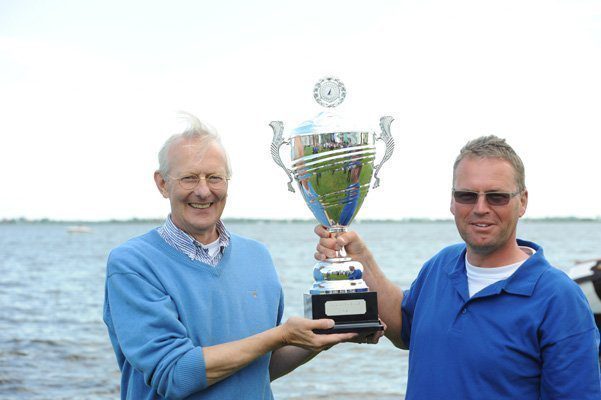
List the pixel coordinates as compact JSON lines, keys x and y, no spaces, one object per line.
{"x":79,"y":229}
{"x":587,"y":274}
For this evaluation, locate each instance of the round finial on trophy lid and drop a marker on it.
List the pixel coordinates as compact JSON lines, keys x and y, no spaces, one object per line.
{"x":329,"y":92}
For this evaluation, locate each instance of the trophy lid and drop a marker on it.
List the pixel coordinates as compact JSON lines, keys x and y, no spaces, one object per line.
{"x":329,"y":92}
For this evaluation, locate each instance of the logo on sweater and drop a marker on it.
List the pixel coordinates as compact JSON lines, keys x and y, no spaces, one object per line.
{"x":253,"y":293}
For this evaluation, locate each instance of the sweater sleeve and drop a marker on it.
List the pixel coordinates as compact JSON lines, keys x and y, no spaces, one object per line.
{"x":152,"y":338}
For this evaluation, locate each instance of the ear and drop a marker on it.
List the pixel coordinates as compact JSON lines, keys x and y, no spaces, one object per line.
{"x":523,"y":203}
{"x":161,"y":184}
{"x":452,"y":206}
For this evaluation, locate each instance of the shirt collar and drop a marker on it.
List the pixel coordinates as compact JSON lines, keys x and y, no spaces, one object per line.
{"x":187,"y":243}
{"x":527,"y":275}
{"x":522,"y":281}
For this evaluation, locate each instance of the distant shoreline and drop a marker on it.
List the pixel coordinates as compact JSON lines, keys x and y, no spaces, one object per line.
{"x":11,"y":221}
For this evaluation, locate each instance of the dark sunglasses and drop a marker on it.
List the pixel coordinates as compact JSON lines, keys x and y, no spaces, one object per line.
{"x":492,"y":198}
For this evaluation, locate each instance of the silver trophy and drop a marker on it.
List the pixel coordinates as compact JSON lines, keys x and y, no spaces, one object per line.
{"x":332,"y":161}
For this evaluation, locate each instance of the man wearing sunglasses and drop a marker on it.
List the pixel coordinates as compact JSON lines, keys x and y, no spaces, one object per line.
{"x":489,"y":318}
{"x":194,"y":311}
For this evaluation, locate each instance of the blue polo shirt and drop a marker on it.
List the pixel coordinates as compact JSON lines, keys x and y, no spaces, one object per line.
{"x":530,"y":336}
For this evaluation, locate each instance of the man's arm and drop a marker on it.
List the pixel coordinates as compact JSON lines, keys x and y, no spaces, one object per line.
{"x":144,"y":321}
{"x":286,"y":359}
{"x":293,"y":344}
{"x":390,"y":296}
{"x":569,"y":346}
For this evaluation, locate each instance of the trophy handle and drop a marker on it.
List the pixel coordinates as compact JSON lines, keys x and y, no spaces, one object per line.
{"x":276,"y":143}
{"x":386,"y":137}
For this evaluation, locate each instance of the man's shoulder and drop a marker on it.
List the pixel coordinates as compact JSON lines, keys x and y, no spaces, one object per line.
{"x":555,"y":288}
{"x":563,"y":305}
{"x":132,"y":249}
{"x":136,"y":243}
{"x":250,"y":250}
{"x":555,"y":279}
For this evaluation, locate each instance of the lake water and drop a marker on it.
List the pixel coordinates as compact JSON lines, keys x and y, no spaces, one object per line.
{"x":54,"y":345}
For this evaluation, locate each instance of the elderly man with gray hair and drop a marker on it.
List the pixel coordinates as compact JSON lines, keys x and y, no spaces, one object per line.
{"x":193,"y":310}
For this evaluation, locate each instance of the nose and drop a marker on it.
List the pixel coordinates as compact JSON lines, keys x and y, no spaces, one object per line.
{"x":481,"y":206}
{"x":202,"y":189}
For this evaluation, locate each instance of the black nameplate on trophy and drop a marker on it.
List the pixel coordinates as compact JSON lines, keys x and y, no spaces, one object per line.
{"x":351,"y":312}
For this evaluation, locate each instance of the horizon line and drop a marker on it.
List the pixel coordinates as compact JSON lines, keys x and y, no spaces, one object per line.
{"x":286,"y":220}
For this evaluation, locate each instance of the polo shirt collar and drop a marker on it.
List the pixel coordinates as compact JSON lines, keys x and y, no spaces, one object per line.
{"x":527,"y":275}
{"x":521,"y":282}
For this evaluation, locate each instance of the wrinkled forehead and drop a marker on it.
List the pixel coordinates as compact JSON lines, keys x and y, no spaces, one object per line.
{"x":194,"y":153}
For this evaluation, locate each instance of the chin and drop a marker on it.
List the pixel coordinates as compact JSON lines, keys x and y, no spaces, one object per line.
{"x":482,"y":249}
{"x":202,"y":225}
{"x":480,"y":246}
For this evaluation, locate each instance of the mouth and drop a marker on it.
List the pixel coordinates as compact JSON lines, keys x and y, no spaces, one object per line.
{"x":200,"y":206}
{"x":481,"y":225}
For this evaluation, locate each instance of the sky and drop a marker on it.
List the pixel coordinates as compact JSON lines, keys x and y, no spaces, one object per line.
{"x":89,"y":91}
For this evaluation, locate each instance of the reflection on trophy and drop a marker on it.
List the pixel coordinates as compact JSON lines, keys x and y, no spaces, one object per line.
{"x":332,"y":161}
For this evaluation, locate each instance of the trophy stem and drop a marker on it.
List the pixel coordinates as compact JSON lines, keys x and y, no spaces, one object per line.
{"x":337,"y":229}
{"x":340,"y":256}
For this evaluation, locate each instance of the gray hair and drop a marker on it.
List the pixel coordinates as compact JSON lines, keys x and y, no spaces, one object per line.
{"x":196,"y":130}
{"x":494,"y":147}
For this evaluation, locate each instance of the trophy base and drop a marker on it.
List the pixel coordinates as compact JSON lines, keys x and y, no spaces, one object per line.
{"x":363,"y":328}
{"x":351,"y":312}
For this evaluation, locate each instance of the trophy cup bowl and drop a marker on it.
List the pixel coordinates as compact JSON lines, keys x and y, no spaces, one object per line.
{"x":333,"y":167}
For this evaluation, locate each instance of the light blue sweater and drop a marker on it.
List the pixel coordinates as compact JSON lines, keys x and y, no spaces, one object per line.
{"x":161,"y":308}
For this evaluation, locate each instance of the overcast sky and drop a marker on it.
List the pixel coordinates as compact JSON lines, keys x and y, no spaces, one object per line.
{"x":89,"y":91}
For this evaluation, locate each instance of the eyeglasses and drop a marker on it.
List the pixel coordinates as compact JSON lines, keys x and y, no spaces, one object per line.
{"x":492,"y":198}
{"x":214,"y":181}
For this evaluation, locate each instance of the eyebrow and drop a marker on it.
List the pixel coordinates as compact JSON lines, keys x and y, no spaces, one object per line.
{"x":485,"y":191}
{"x":204,"y":173}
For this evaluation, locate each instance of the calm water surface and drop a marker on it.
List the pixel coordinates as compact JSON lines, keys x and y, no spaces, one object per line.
{"x":54,"y":345}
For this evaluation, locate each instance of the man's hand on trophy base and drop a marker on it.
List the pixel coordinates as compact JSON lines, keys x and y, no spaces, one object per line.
{"x":370,"y":338}
{"x":298,"y":331}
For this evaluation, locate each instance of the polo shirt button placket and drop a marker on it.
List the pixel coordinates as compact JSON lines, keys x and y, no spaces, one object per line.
{"x":464,"y":310}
